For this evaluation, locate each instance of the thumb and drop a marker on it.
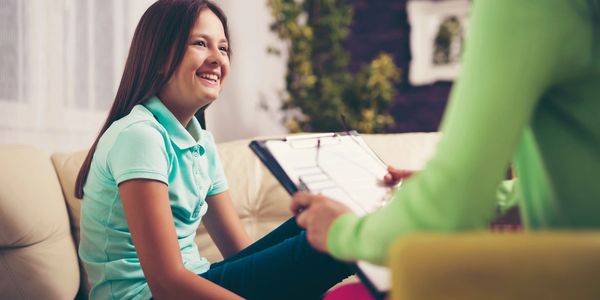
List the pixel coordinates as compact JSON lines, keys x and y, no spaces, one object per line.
{"x":301,"y":219}
{"x":300,"y":201}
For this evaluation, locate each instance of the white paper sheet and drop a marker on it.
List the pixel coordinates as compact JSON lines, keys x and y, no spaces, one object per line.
{"x":344,"y":168}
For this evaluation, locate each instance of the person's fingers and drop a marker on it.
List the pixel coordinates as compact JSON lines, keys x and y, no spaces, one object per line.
{"x":301,"y":219}
{"x":388,"y":179}
{"x":300,"y":200}
{"x":394,"y":172}
{"x":398,"y":174}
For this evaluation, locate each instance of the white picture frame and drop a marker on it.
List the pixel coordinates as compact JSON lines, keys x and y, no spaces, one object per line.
{"x":438,"y":31}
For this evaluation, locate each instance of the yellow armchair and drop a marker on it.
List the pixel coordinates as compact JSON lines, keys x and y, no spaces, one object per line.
{"x":542,"y":265}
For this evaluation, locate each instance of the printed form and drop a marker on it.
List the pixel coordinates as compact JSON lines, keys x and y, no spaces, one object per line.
{"x":344,"y":168}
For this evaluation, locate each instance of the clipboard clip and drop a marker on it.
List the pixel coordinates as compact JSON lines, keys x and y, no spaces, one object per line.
{"x":291,"y":138}
{"x":313,"y":140}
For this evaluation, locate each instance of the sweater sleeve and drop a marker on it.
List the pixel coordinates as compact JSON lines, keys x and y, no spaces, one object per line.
{"x":512,"y":54}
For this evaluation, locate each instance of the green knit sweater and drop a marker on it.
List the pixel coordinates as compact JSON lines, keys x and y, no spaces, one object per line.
{"x":529,"y":90}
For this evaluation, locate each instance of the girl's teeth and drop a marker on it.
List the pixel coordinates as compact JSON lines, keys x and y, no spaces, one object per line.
{"x":209,"y":76}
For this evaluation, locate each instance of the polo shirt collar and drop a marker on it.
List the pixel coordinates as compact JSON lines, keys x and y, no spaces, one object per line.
{"x":182,"y":137}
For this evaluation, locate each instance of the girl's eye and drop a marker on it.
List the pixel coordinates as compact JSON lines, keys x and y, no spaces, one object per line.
{"x":200,"y":43}
{"x":224,"y":49}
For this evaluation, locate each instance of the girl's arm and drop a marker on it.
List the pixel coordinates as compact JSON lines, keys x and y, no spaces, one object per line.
{"x":148,"y":213}
{"x":224,"y":226}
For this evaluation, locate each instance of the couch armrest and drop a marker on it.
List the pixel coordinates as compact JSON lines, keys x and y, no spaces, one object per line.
{"x":562,"y":265}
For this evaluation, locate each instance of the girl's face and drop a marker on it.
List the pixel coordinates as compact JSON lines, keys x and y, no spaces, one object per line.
{"x":198,"y":79}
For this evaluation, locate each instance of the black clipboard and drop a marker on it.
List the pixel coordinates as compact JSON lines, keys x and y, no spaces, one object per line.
{"x":261,"y":149}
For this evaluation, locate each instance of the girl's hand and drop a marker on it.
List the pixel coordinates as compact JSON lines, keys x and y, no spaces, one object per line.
{"x":394,"y":176}
{"x":316,"y":213}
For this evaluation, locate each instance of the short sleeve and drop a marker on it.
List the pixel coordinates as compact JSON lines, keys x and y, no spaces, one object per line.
{"x":216,"y":172}
{"x":139,"y":152}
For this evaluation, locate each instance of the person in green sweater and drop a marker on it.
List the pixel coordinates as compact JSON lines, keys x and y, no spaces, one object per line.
{"x":528,"y":92}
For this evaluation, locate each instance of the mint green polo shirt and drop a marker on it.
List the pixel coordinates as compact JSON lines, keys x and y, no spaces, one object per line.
{"x":148,"y":143}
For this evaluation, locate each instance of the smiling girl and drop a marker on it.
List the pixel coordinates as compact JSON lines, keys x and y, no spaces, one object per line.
{"x":153,"y":174}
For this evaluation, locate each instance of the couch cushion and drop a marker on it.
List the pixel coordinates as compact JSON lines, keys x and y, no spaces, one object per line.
{"x":260,"y":201}
{"x":37,"y":255}
{"x":404,"y":150}
{"x":67,"y":167}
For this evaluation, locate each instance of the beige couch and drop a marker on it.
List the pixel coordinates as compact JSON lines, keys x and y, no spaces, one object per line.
{"x":39,"y":216}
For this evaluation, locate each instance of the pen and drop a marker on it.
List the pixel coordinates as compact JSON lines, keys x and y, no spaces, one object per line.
{"x":317,"y":155}
{"x":302,"y":188}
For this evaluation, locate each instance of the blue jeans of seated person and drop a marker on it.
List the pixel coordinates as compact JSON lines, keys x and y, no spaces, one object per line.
{"x":281,"y":265}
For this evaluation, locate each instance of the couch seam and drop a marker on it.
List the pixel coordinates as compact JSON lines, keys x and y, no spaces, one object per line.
{"x":40,"y":243}
{"x":83,"y":280}
{"x":11,"y":274}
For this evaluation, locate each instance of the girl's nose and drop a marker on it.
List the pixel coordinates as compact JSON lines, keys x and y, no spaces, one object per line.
{"x":216,"y":57}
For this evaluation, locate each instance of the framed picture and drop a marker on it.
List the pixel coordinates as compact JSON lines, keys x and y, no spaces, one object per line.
{"x":437,"y":38}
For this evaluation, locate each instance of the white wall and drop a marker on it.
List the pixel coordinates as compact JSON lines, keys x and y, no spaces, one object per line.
{"x":61,"y":62}
{"x":256,"y":77}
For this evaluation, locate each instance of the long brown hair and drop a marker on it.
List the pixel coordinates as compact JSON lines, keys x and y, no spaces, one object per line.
{"x":156,"y":51}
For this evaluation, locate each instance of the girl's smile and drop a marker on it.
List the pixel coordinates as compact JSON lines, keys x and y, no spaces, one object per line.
{"x":209,"y":78}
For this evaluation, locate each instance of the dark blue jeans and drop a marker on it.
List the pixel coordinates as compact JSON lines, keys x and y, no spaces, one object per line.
{"x":281,"y":265}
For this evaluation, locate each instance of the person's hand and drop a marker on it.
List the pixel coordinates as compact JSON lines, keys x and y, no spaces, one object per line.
{"x":316,"y":213}
{"x":394,"y":176}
